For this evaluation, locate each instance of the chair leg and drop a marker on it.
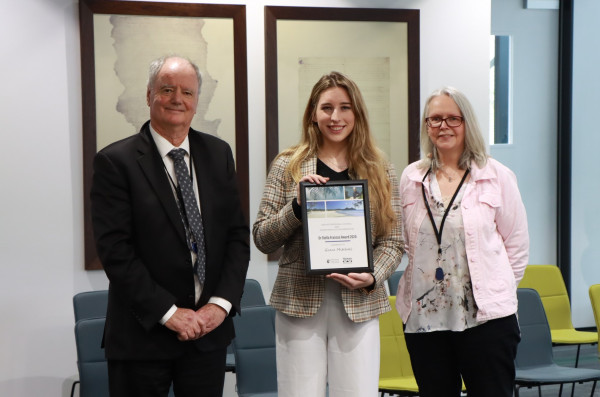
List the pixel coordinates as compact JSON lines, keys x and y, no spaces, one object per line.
{"x":593,"y":389}
{"x":516,"y":390}
{"x":573,"y":390}
{"x":73,"y":388}
{"x":577,"y":356}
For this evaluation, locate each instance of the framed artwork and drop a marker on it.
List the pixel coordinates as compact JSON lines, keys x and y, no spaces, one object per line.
{"x":119,"y":39}
{"x":377,"y":48}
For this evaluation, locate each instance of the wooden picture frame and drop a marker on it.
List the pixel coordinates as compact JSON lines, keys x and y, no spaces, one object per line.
{"x":231,"y":17}
{"x":275,"y":14}
{"x":312,"y":41}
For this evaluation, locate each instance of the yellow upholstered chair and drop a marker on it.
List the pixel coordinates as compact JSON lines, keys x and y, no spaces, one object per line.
{"x":548,"y":282}
{"x":395,"y":371}
{"x":595,"y":299}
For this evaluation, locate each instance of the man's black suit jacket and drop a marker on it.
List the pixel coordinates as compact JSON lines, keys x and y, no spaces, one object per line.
{"x":141,"y":243}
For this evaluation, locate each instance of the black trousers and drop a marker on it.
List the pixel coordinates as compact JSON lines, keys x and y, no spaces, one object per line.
{"x":195,"y":374}
{"x":483,"y":356}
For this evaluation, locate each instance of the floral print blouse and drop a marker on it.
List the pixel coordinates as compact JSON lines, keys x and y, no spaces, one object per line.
{"x":446,"y":304}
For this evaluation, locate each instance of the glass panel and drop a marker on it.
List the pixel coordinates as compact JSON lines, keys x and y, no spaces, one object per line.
{"x":500,"y":89}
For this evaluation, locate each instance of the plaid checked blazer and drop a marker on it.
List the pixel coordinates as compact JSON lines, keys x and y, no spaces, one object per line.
{"x":297,"y":294}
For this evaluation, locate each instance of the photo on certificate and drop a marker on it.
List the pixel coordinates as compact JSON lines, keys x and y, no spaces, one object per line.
{"x":337,"y":227}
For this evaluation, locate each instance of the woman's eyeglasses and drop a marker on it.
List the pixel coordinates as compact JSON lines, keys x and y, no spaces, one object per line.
{"x":451,"y":121}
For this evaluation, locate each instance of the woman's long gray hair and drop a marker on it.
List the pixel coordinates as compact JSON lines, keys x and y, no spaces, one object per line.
{"x":475,"y":148}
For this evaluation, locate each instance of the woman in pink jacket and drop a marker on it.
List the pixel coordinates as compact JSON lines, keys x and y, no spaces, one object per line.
{"x":465,"y":229}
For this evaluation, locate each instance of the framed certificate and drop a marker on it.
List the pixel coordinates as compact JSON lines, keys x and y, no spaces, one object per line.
{"x":337,"y":227}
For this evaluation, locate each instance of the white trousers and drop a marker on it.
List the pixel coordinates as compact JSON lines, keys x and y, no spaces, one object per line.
{"x":327,"y":348}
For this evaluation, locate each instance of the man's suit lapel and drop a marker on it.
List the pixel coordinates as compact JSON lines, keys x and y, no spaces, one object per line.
{"x":153,"y":168}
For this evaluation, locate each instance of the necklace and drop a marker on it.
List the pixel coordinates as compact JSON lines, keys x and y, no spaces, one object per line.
{"x":334,"y":164}
{"x":449,"y":177}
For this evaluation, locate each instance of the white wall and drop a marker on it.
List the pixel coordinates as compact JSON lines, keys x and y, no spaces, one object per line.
{"x":41,"y":224}
{"x":585,"y":221}
{"x":532,"y":155}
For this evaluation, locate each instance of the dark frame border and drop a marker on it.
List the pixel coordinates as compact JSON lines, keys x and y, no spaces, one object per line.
{"x":274,"y":13}
{"x":565,"y":147}
{"x":367,"y":224}
{"x":87,"y":9}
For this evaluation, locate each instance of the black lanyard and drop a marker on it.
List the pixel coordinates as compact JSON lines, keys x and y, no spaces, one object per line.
{"x":439,"y":273}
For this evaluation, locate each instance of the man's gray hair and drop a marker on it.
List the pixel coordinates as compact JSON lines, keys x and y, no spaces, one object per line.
{"x":157,"y":64}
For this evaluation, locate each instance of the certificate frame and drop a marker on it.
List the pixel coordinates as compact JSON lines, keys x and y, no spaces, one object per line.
{"x":337,"y":227}
{"x":238,"y":95}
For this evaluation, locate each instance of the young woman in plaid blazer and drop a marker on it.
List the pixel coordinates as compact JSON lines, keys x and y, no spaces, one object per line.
{"x":327,"y":326}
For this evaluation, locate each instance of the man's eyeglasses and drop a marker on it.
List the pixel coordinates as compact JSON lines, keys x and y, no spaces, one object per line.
{"x":436,"y":122}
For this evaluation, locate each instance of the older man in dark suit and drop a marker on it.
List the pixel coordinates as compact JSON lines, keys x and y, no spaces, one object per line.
{"x":173,"y":241}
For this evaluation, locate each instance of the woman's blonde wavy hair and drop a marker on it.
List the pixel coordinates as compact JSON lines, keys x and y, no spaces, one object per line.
{"x":365,"y":160}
